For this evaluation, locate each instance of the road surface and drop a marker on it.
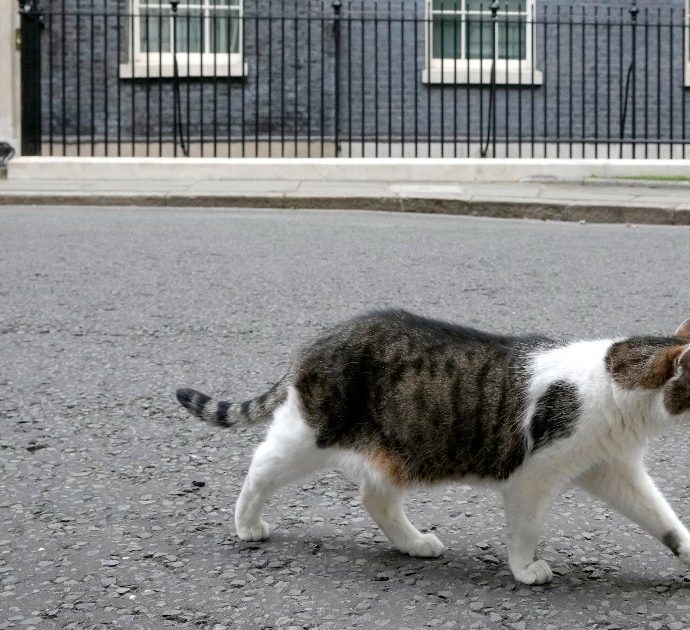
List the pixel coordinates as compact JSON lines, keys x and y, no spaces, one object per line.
{"x":116,"y":508}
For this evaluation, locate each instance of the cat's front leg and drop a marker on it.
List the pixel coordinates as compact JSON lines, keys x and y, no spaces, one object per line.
{"x":627,"y":487}
{"x":527,"y":499}
{"x":679,"y":545}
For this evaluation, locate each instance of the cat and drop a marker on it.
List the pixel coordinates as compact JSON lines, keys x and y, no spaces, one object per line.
{"x":399,"y":401}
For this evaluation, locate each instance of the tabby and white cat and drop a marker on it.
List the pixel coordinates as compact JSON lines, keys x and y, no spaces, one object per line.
{"x":399,"y":401}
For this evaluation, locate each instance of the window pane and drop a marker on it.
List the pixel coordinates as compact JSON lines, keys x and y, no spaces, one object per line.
{"x":504,"y":5}
{"x":165,"y":4}
{"x":511,"y":38}
{"x":225,"y":33}
{"x":478,"y":5}
{"x":190,"y":29}
{"x":480,"y":38}
{"x":446,"y":37}
{"x":225,"y":3}
{"x":511,"y":42}
{"x":447,"y":5}
{"x":154,"y":31}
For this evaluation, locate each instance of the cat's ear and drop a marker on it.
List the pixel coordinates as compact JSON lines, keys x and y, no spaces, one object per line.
{"x":684,"y":330}
{"x":635,"y":363}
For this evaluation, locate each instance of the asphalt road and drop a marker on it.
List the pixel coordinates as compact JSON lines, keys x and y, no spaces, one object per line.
{"x":104,"y":312}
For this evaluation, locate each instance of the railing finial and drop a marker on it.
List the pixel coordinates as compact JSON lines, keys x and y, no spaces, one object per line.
{"x":30,"y":8}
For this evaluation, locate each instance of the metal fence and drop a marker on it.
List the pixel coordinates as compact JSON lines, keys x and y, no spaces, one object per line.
{"x":356,"y":79}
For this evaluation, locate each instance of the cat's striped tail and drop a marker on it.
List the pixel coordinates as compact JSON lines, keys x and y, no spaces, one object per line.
{"x":226,"y":414}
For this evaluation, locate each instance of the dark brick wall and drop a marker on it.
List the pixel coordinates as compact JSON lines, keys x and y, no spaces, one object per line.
{"x":290,"y":89}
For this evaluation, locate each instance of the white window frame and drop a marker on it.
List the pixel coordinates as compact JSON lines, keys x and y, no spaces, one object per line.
{"x":143,"y":64}
{"x":478,"y":71}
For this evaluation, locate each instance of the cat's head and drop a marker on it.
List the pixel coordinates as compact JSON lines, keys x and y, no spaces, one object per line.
{"x":655,"y":363}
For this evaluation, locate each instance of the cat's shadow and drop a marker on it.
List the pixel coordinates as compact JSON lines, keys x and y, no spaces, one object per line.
{"x":377,"y":562}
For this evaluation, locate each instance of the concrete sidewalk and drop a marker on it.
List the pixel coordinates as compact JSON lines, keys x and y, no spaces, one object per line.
{"x":596,"y":201}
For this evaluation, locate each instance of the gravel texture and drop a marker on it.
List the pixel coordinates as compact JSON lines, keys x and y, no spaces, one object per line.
{"x":116,"y":508}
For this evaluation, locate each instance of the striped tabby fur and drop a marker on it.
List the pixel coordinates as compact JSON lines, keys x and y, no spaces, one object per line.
{"x":225,"y":414}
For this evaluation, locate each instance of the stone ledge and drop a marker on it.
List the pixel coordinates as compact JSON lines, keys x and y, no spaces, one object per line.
{"x":441,"y":170}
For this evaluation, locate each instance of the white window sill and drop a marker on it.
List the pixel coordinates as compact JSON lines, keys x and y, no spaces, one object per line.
{"x":687,"y":74}
{"x":482,"y":76}
{"x":166,"y":69}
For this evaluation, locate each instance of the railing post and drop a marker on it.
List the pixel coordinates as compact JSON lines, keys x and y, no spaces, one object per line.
{"x":177,"y":106}
{"x":30,"y":33}
{"x":336,"y":62}
{"x":634,"y":10}
{"x":494,"y":43}
{"x":491,"y":116}
{"x":173,"y":48}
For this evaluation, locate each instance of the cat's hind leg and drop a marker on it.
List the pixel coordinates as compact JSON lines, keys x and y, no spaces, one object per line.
{"x":288,"y":453}
{"x":383,"y":500}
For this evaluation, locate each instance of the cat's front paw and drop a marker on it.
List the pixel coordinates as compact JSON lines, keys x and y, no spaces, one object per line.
{"x":256,"y":532}
{"x":537,"y":572}
{"x":426,"y":546}
{"x":684,"y":553}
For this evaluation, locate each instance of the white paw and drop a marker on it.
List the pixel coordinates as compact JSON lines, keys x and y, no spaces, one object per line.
{"x":425,"y":546}
{"x":537,"y":572}
{"x":258,"y":531}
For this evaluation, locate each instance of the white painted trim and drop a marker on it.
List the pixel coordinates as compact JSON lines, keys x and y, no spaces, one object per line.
{"x":337,"y":169}
{"x":482,"y":75}
{"x":165,"y":68}
{"x":143,"y":65}
{"x":10,"y":121}
{"x":478,"y":71}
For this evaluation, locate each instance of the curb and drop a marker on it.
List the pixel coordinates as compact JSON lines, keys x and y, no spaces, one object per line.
{"x":569,"y":211}
{"x":657,"y":184}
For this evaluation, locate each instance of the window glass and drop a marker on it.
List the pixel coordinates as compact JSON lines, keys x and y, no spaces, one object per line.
{"x":511,"y":6}
{"x":446,"y":5}
{"x":225,"y":34}
{"x":196,"y":21}
{"x":480,"y":38}
{"x":511,"y":38}
{"x":508,"y":32}
{"x":189,"y":31}
{"x":154,"y":31}
{"x":447,"y":34}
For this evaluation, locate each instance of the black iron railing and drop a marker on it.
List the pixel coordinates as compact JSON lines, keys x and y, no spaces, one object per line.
{"x":356,"y":79}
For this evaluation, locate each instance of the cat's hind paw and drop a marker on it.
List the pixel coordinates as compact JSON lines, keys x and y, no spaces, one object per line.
{"x":426,"y":546}
{"x":259,"y":531}
{"x":537,"y":572}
